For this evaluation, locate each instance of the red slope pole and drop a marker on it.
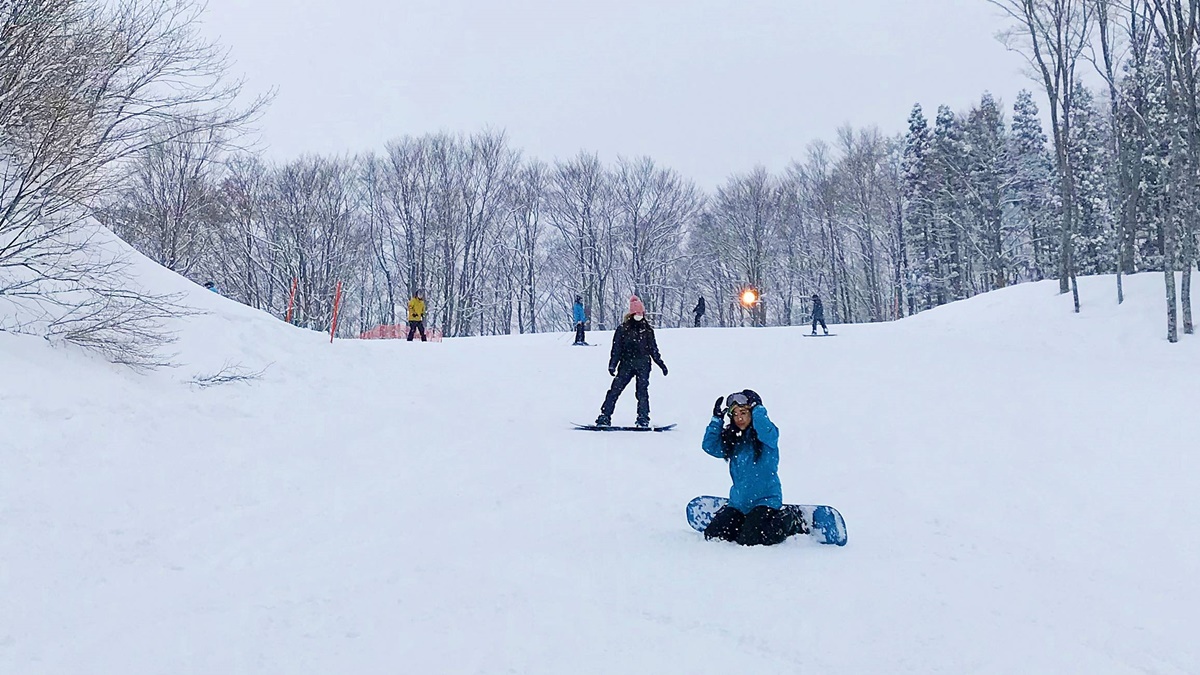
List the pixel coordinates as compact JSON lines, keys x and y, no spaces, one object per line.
{"x":337,"y":302}
{"x":292,"y":299}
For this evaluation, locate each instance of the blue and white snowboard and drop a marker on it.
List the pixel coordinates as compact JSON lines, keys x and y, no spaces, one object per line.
{"x":825,"y":524}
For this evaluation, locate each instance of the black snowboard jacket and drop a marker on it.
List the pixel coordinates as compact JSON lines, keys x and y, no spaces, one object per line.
{"x":818,"y":311}
{"x":634,"y":346}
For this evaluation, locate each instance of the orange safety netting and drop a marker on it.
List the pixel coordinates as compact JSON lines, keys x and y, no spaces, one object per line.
{"x":399,"y":332}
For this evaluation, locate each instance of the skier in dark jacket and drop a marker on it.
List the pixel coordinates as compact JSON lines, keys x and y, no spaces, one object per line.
{"x":818,"y":315}
{"x":699,"y":311}
{"x":580,"y":317}
{"x":750,"y":444}
{"x":633,"y":348}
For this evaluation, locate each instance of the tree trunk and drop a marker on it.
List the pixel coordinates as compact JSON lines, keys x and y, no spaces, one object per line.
{"x":1186,"y":289}
{"x":1170,"y":237}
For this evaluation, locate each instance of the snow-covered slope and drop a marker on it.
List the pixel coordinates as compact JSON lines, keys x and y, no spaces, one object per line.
{"x":1019,"y":485}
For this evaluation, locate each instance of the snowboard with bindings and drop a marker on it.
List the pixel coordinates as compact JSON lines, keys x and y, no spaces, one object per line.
{"x":820,"y":335}
{"x":594,"y":427}
{"x":824,"y":523}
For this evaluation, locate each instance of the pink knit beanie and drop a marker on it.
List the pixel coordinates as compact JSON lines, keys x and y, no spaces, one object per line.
{"x":636,"y":306}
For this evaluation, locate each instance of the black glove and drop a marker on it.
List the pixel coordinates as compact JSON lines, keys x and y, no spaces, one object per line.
{"x":718,"y":411}
{"x":612,"y":370}
{"x":754,"y":398}
{"x":664,"y":368}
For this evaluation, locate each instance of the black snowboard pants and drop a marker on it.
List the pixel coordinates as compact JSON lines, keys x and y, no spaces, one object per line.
{"x":698,"y":318}
{"x":762,"y":526}
{"x":819,"y":320}
{"x":413,"y":327}
{"x":624,"y":375}
{"x":579,"y":336}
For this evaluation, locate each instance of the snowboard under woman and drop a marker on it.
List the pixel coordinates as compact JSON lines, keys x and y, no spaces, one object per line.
{"x":633,"y":348}
{"x":750,"y":444}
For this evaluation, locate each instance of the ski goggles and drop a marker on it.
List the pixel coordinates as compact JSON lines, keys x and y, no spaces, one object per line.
{"x":736,"y":400}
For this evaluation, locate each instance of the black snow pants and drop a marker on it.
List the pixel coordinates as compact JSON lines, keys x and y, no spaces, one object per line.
{"x":819,"y":320}
{"x":580,"y":338}
{"x":622,"y":379}
{"x":413,"y":327}
{"x":762,"y":526}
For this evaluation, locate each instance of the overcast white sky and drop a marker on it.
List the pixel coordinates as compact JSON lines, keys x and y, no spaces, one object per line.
{"x":708,"y":87}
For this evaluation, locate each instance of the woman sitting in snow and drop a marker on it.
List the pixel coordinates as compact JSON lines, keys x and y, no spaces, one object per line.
{"x":750,"y":444}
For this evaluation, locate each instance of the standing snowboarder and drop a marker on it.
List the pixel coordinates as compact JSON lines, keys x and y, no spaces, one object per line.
{"x":818,"y":315}
{"x":416,"y":315}
{"x":633,"y":348}
{"x":750,"y":445}
{"x":580,"y":317}
{"x":699,"y":311}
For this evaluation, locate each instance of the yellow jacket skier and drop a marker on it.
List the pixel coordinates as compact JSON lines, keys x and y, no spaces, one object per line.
{"x":416,"y":315}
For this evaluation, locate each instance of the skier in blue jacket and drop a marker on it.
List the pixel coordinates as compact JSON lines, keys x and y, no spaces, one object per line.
{"x":750,"y":444}
{"x":580,"y":316}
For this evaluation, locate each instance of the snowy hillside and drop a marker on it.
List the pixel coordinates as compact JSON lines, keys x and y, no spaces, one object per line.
{"x":1019,"y":485}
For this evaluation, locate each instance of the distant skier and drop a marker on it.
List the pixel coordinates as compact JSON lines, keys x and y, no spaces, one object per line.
{"x":212,"y":287}
{"x":818,"y":315}
{"x":580,"y":317}
{"x":699,"y":311}
{"x":633,"y":348}
{"x":750,"y":444}
{"x":416,"y":315}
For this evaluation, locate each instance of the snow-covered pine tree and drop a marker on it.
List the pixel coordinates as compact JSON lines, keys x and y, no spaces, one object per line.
{"x":918,"y":213}
{"x":1032,"y":197}
{"x":1094,"y":237}
{"x":987,"y":164}
{"x":949,"y":172}
{"x":1155,"y":163}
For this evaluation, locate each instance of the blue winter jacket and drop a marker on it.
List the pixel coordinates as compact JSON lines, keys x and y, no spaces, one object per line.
{"x":580,"y":317}
{"x":754,"y":483}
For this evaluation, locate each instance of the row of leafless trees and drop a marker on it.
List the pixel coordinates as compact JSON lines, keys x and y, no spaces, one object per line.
{"x":881,"y":227}
{"x":85,"y":87}
{"x":502,"y":244}
{"x":498,"y":244}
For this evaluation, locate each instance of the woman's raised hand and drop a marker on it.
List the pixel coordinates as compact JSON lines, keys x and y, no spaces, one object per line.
{"x":755,"y":399}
